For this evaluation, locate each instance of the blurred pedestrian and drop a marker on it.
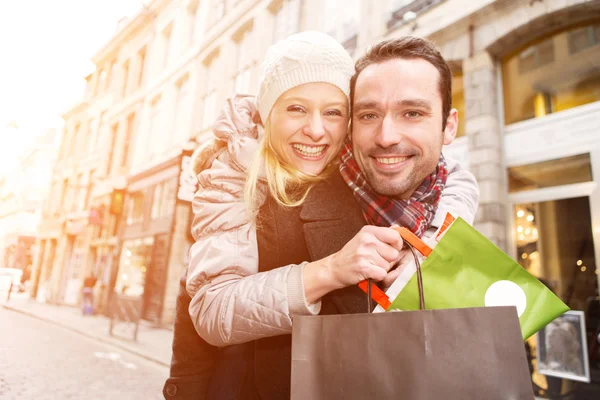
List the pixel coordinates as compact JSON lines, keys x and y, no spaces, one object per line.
{"x":88,"y":294}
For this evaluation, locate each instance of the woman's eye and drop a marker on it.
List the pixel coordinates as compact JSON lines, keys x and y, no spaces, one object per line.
{"x":334,"y":113}
{"x":295,"y":109}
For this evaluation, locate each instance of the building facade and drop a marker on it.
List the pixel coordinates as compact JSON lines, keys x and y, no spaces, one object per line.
{"x":23,"y":191}
{"x":526,"y":85}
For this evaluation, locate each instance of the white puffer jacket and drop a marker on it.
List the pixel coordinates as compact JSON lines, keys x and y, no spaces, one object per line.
{"x":231,"y":302}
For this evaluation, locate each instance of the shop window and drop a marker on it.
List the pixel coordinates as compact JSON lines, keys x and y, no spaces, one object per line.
{"x":554,"y":242}
{"x":136,"y":256}
{"x":135,"y":208}
{"x":557,"y":74}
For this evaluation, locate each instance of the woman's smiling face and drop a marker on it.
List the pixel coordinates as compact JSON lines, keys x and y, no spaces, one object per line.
{"x":308,"y":125}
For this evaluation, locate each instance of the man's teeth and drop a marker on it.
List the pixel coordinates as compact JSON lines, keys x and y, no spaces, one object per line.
{"x":391,"y":160}
{"x":309,"y":150}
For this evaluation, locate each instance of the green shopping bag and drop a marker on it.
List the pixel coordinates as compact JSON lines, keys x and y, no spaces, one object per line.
{"x":465,"y":269}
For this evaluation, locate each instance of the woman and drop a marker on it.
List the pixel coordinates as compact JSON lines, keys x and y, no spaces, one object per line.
{"x":279,"y":146}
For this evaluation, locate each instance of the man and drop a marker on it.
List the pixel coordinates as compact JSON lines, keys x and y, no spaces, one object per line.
{"x":391,"y":172}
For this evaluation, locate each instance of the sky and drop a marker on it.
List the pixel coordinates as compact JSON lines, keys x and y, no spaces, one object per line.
{"x":46,"y":47}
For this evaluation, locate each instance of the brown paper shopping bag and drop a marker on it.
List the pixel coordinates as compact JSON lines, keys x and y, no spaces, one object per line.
{"x":453,"y":354}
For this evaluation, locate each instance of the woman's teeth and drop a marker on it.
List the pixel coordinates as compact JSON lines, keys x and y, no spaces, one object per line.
{"x":391,"y":160}
{"x":309,"y":151}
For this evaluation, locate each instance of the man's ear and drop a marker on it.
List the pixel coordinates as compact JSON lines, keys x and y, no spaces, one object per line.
{"x":451,"y":127}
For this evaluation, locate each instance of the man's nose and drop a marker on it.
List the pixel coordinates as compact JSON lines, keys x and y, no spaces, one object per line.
{"x":315,"y":128}
{"x":389,"y":133}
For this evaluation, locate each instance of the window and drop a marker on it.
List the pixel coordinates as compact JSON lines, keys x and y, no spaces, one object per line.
{"x":192,"y":11}
{"x":209,"y":108}
{"x":82,"y":188}
{"x":583,"y":38}
{"x":111,"y":76}
{"x":154,"y":134}
{"x":342,"y":21}
{"x":74,"y":138}
{"x":114,"y":130}
{"x":163,"y":199}
{"x":536,"y":56}
{"x":286,"y":19}
{"x":92,"y":133}
{"x":127,"y":141}
{"x":88,"y":86}
{"x":166,"y":35}
{"x":135,"y":208}
{"x":548,"y":77}
{"x":217,"y":12}
{"x":125,"y":78}
{"x":88,"y":190}
{"x":183,"y":111}
{"x":101,"y":83}
{"x":64,"y":194}
{"x":244,"y":63}
{"x":141,"y":57}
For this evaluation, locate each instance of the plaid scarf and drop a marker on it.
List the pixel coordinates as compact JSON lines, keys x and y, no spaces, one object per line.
{"x":415,"y":213}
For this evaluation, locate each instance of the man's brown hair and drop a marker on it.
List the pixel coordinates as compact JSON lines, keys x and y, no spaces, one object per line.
{"x":408,"y":48}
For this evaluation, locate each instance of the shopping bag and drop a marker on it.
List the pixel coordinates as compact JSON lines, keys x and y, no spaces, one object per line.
{"x":465,"y":269}
{"x":454,"y":354}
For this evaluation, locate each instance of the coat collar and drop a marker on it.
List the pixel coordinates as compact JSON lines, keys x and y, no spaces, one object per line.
{"x":329,"y":200}
{"x":330,"y":216}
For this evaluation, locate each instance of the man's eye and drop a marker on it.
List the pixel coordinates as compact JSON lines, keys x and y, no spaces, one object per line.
{"x":413,"y":114}
{"x":295,"y":109}
{"x":368,"y":116}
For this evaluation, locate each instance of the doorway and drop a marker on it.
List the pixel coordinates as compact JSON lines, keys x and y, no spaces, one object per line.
{"x":554,"y":242}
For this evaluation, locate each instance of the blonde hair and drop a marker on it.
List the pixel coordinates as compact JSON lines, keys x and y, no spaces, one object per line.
{"x":286,"y":184}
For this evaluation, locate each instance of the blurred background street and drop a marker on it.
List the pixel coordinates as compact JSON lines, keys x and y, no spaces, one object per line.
{"x":39,"y":360}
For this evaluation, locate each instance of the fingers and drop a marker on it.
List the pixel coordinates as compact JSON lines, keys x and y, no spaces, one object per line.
{"x":390,"y":278}
{"x":388,"y":236}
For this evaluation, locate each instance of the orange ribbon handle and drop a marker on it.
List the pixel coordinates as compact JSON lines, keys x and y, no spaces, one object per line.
{"x":377,"y":294}
{"x":414,"y":240}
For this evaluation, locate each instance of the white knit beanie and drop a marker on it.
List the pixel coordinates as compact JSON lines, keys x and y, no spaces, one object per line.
{"x":305,"y":57}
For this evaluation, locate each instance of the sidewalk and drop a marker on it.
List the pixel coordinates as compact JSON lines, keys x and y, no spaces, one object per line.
{"x":152,"y":343}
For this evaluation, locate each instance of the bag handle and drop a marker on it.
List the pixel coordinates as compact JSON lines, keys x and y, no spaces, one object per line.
{"x":412,"y":242}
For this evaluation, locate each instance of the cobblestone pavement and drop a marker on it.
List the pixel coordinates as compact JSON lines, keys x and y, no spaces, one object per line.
{"x":39,"y":360}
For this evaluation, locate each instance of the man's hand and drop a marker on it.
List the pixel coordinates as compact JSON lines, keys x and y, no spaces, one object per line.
{"x":404,"y":259}
{"x":369,"y":255}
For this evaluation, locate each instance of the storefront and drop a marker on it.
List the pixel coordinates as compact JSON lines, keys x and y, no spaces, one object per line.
{"x":74,"y":261}
{"x":104,"y":220}
{"x":150,"y":244}
{"x":552,"y":151}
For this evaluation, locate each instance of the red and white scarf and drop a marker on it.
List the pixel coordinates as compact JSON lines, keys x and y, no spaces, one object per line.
{"x":416,"y":213}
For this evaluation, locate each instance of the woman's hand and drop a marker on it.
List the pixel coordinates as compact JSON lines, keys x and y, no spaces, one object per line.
{"x":369,"y":255}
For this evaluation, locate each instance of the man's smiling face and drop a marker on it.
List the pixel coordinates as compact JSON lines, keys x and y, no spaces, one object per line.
{"x":397,"y":133}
